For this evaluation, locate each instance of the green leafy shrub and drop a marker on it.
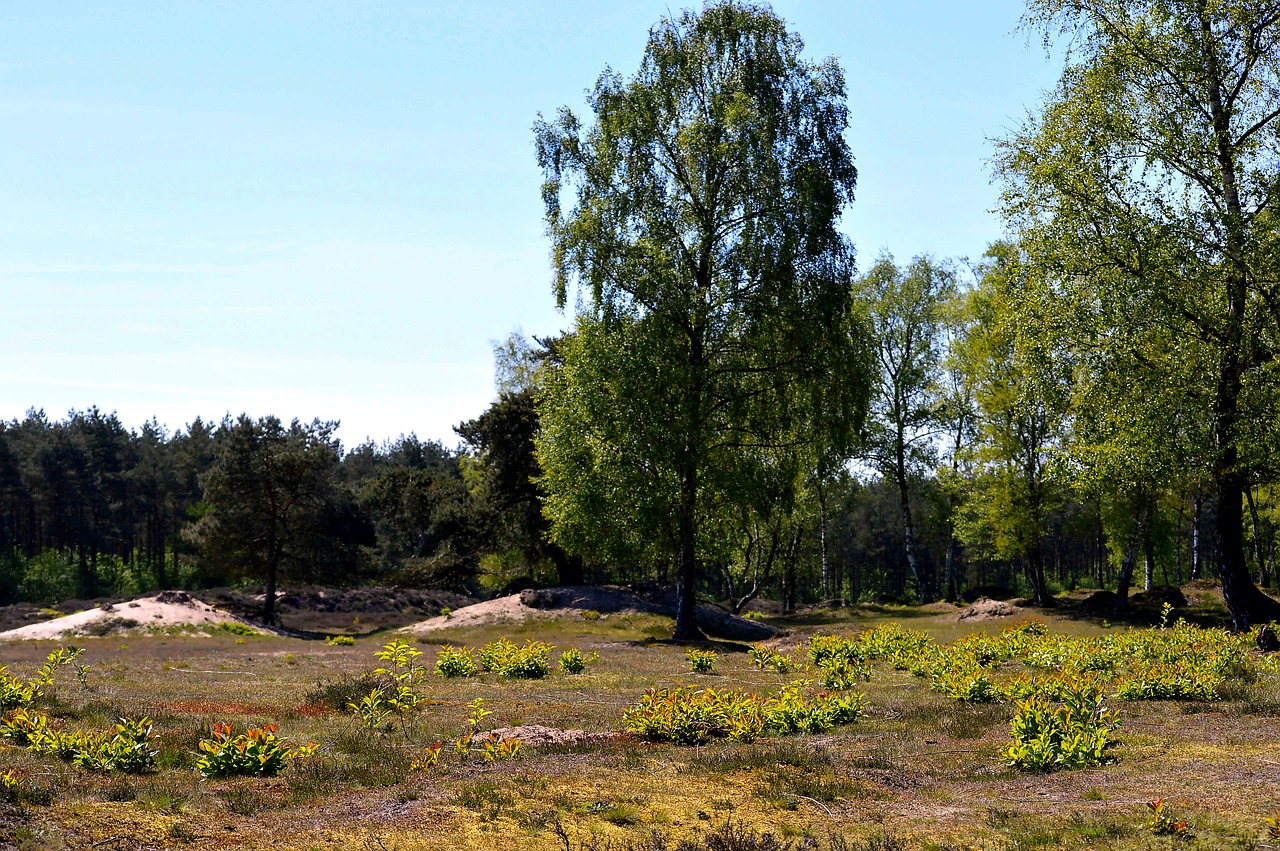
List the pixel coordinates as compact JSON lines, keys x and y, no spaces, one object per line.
{"x":572,"y":661}
{"x":794,"y":711}
{"x":340,"y":641}
{"x":235,"y":628}
{"x":257,"y":752}
{"x":768,"y":659}
{"x":402,"y":671}
{"x":15,"y":692}
{"x":455,"y":662}
{"x":127,"y":748}
{"x":507,"y":659}
{"x":691,"y":716}
{"x":701,"y":661}
{"x":1074,"y":734}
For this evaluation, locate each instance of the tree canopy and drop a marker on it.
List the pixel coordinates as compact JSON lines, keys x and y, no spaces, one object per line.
{"x":719,"y":324}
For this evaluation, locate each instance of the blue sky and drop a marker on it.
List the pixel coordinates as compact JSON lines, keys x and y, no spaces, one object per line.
{"x":331,"y":210}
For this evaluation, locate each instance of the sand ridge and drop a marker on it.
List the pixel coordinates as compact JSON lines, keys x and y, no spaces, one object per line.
{"x":168,"y":608}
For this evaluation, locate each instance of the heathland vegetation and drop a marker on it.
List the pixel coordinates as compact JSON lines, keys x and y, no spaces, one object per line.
{"x":737,"y":415}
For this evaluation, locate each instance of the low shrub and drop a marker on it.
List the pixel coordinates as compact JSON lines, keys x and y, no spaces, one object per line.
{"x":572,"y":661}
{"x":768,"y":659}
{"x":692,"y":716}
{"x":701,"y":661}
{"x":1074,"y":734}
{"x":257,"y":752}
{"x":508,"y":659}
{"x":455,"y":662}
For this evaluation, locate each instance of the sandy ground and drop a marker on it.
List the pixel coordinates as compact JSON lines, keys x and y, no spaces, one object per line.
{"x":984,"y":609}
{"x":168,"y":608}
{"x":549,"y":603}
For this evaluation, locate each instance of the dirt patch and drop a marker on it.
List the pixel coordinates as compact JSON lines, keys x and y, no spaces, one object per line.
{"x":538,"y":736}
{"x":985,"y":609}
{"x":589,"y":602}
{"x":168,"y":608}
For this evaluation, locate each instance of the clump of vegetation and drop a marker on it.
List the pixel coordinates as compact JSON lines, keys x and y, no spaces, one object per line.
{"x":234,"y":628}
{"x":127,"y":748}
{"x":1075,"y":734}
{"x":15,"y":692}
{"x":701,"y":661}
{"x":507,"y":659}
{"x":692,"y":716}
{"x":768,"y":659}
{"x":257,"y":752}
{"x":455,"y":662}
{"x":340,"y":641}
{"x":573,"y":661}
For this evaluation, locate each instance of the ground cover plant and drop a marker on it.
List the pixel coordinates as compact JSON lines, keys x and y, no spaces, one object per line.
{"x":635,"y":746}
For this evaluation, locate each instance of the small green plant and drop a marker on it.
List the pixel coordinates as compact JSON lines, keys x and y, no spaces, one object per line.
{"x":455,"y":662}
{"x":768,"y":659}
{"x":371,"y":709}
{"x":1076,"y":734}
{"x":15,"y":692}
{"x":401,"y":668}
{"x":1273,"y":826}
{"x":590,"y":615}
{"x":339,"y":641}
{"x":701,"y":661}
{"x":235,"y":628}
{"x":257,"y":752}
{"x":1163,"y":822}
{"x":793,"y":710}
{"x":572,"y":661}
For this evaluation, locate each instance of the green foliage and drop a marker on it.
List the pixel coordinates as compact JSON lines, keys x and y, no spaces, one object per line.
{"x":843,"y":661}
{"x":572,"y":661}
{"x":127,"y":748}
{"x":1074,"y":734}
{"x":717,"y":357}
{"x":690,"y":716}
{"x":768,"y":659}
{"x":455,"y":662}
{"x":701,"y":661}
{"x":401,"y":668}
{"x":507,"y":659}
{"x":340,"y":640}
{"x":15,"y":692}
{"x":795,"y":710}
{"x":235,"y":628}
{"x":257,"y":752}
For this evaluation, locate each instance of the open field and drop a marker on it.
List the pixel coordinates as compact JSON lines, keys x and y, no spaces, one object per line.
{"x":919,"y":770}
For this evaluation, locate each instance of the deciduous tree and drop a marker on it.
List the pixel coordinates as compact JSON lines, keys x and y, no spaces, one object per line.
{"x":716,"y":321}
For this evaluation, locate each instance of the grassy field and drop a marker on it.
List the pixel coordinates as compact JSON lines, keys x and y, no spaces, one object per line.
{"x":918,"y":770}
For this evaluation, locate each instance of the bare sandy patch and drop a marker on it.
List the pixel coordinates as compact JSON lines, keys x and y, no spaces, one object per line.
{"x":583,"y":601}
{"x":168,"y":608}
{"x":984,"y":609}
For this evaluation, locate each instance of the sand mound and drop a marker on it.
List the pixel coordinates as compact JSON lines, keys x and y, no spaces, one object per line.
{"x":168,"y":608}
{"x":549,"y":603}
{"x":984,"y":609}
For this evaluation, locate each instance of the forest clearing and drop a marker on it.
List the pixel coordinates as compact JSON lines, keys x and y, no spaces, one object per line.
{"x":868,"y":727}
